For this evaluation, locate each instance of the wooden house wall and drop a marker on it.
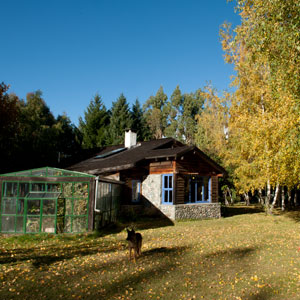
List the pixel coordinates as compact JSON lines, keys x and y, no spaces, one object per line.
{"x":180,"y":190}
{"x":214,"y":189}
{"x":193,"y":164}
{"x":127,"y":177}
{"x":162,"y":167}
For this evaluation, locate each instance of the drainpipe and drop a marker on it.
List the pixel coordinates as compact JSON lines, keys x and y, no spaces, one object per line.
{"x":96,"y":193}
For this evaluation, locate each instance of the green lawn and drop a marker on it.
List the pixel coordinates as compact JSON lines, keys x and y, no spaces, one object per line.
{"x":245,"y":256}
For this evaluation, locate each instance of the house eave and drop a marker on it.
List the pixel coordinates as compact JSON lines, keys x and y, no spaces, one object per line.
{"x":112,"y":169}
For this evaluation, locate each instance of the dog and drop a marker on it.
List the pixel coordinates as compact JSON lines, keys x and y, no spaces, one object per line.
{"x":134,"y":242}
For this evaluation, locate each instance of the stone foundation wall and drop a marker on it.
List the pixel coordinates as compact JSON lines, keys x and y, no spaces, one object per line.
{"x":198,"y":211}
{"x":168,"y":211}
{"x":151,"y":189}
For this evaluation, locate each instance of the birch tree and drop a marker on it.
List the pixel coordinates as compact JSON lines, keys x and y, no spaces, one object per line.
{"x":264,"y":122}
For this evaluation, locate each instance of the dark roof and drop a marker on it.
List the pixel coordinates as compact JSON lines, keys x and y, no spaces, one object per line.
{"x":130,"y":158}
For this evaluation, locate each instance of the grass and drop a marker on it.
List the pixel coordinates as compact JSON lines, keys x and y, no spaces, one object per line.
{"x":246,"y":256}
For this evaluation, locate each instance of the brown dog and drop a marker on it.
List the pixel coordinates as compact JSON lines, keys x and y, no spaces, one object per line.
{"x":134,"y":242}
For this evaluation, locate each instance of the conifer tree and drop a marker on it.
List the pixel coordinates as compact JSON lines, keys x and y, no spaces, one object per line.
{"x":94,"y":125}
{"x":120,"y":120}
{"x":139,"y":124}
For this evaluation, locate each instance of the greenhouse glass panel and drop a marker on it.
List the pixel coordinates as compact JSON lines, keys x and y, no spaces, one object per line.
{"x":41,"y":172}
{"x":80,"y":207}
{"x":79,"y":224}
{"x":25,"y":173}
{"x":8,"y":223}
{"x":68,"y":206}
{"x":67,"y":225}
{"x":19,"y":223}
{"x":67,"y":189}
{"x":23,"y":189}
{"x":38,"y":187}
{"x":33,"y":206}
{"x":20,"y":206}
{"x":81,"y":190}
{"x":11,"y":189}
{"x":9,"y":206}
{"x":49,"y":207}
{"x":48,"y":224}
{"x":33,"y":224}
{"x":53,"y":187}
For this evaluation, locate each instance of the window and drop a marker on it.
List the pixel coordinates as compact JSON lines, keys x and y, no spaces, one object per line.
{"x":197,"y":189}
{"x":167,"y":189}
{"x":136,"y":191}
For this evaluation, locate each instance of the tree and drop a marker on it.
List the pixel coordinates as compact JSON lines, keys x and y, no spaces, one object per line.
{"x":192,"y":106}
{"x":95,"y":124}
{"x":263,"y":125}
{"x":139,"y":124}
{"x":174,"y":114}
{"x":156,"y":112}
{"x":37,"y":138}
{"x":120,"y":120}
{"x":212,"y":125}
{"x":69,"y":138}
{"x":9,"y":127}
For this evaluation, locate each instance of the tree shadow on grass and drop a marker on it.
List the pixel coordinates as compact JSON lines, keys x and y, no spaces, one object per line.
{"x":264,"y":294}
{"x":52,"y":254}
{"x":141,"y":223}
{"x":230,"y":211}
{"x":237,"y":253}
{"x":292,"y":214}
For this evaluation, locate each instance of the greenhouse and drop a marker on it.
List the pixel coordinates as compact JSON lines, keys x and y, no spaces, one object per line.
{"x":46,"y":200}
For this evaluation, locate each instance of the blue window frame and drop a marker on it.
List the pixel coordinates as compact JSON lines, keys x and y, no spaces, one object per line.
{"x":136,"y":191}
{"x":198,"y":189}
{"x":167,"y":189}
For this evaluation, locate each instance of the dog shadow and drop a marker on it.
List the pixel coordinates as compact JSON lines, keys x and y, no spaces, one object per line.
{"x":163,"y":250}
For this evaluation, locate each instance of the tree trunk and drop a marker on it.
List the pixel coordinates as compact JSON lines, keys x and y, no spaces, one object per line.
{"x":296,"y":197}
{"x":260,"y":197}
{"x":282,"y":199}
{"x":225,"y":197}
{"x":230,"y":195}
{"x":246,"y":195}
{"x":275,"y":197}
{"x":268,"y":198}
{"x":290,"y":199}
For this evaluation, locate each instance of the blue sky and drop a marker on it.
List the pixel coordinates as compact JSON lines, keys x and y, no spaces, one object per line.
{"x":71,"y":49}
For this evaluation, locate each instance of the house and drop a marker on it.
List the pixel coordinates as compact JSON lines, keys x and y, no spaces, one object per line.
{"x":160,"y":176}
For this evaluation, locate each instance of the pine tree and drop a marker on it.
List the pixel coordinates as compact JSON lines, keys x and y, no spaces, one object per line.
{"x":139,"y":124}
{"x":94,"y":125}
{"x":120,"y":120}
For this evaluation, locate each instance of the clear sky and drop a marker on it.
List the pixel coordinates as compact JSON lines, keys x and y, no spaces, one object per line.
{"x":73,"y":49}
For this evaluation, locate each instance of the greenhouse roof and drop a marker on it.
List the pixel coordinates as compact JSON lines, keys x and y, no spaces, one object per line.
{"x":48,"y":172}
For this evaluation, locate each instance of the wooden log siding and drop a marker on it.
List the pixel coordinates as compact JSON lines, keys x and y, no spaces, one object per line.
{"x":214,"y":189}
{"x":180,"y":190}
{"x":163,"y":167}
{"x":194,"y":164}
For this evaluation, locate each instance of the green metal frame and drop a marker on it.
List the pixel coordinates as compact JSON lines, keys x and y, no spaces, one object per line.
{"x":76,"y":195}
{"x":48,"y":172}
